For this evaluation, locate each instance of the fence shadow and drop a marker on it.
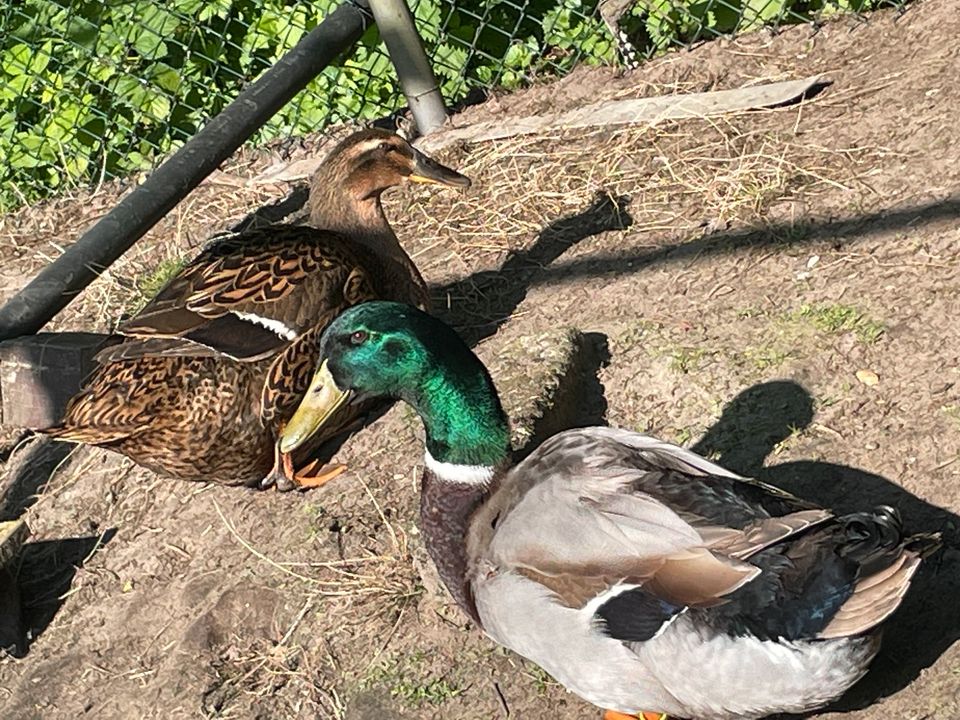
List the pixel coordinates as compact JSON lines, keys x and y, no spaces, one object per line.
{"x":927,"y":623}
{"x":781,"y":235}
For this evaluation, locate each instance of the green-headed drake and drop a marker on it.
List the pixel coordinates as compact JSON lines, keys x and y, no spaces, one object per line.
{"x":640,"y":575}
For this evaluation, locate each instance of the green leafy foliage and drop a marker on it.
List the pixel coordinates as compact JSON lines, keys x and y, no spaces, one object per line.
{"x":91,"y":88}
{"x":655,"y":25}
{"x":103,"y":88}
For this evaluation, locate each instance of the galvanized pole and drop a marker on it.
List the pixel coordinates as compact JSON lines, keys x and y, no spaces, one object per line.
{"x":399,"y":34}
{"x":58,"y":283}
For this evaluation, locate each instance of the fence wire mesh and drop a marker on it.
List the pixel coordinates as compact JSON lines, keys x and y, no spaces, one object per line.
{"x":98,"y":89}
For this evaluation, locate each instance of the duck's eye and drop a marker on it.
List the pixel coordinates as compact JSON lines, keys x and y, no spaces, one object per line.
{"x":358,"y":337}
{"x":388,"y":147}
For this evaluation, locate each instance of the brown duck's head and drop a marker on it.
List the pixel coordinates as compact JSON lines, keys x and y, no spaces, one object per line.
{"x":368,"y":162}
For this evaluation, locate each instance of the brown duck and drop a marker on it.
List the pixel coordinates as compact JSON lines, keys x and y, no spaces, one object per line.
{"x":216,"y":363}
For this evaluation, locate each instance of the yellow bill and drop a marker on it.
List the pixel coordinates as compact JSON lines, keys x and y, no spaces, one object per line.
{"x":321,"y":400}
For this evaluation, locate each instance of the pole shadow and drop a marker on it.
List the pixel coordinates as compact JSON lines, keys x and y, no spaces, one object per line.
{"x":780,"y":235}
{"x":927,"y":623}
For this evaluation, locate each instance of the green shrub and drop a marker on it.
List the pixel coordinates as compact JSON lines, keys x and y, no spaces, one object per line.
{"x":93,"y":88}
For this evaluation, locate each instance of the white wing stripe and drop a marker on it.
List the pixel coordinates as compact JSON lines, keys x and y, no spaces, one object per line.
{"x":269,"y":323}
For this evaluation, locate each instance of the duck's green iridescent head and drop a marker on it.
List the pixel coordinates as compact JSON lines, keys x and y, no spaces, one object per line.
{"x":390,"y":350}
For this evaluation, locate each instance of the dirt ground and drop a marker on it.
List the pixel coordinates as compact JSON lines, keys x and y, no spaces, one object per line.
{"x":776,"y":289}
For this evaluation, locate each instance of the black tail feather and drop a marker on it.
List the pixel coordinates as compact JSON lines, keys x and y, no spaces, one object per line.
{"x":807,"y":579}
{"x":874,"y":539}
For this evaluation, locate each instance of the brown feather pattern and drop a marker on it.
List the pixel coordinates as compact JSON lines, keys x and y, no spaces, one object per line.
{"x":284,"y":274}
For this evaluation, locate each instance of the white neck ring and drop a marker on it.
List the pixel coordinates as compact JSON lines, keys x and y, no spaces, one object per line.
{"x":459,"y":474}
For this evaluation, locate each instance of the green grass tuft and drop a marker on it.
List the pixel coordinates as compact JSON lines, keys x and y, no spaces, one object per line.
{"x":539,"y":677}
{"x":686,"y":359}
{"x":407,"y":680}
{"x":952,"y":412}
{"x":837,"y":318}
{"x":149,"y":284}
{"x":764,"y":358}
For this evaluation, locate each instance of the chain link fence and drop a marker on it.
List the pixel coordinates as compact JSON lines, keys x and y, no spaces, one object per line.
{"x":98,"y":89}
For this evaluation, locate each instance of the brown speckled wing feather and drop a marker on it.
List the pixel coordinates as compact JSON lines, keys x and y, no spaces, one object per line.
{"x":243,"y":294}
{"x":289,"y":375}
{"x":189,"y":415}
{"x":119,"y":402}
{"x":153,"y":347}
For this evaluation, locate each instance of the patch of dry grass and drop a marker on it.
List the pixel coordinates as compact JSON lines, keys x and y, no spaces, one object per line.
{"x":732,"y":170}
{"x":386,"y":581}
{"x":367,"y":594}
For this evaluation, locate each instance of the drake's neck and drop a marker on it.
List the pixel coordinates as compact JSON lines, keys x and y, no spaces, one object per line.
{"x":467,"y":446}
{"x":464,"y":421}
{"x":445,"y":512}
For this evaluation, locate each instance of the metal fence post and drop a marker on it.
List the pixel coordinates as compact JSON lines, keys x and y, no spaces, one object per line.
{"x":405,"y":48}
{"x":60,"y":281}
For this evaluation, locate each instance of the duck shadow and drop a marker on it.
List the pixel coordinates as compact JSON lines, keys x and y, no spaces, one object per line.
{"x":927,"y":623}
{"x":41,"y":585}
{"x":480,"y":303}
{"x":29,"y":468}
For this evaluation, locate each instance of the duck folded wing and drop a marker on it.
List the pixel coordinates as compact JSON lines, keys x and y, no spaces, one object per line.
{"x":599,"y":508}
{"x":249,"y":295}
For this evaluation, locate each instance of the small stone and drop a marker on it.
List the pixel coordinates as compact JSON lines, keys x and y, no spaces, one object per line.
{"x":868,"y":377}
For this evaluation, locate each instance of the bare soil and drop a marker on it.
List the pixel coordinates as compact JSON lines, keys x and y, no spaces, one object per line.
{"x":778,"y":289}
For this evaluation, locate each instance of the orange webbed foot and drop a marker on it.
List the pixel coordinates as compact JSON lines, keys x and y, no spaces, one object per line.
{"x":314,"y":475}
{"x":614,"y":715}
